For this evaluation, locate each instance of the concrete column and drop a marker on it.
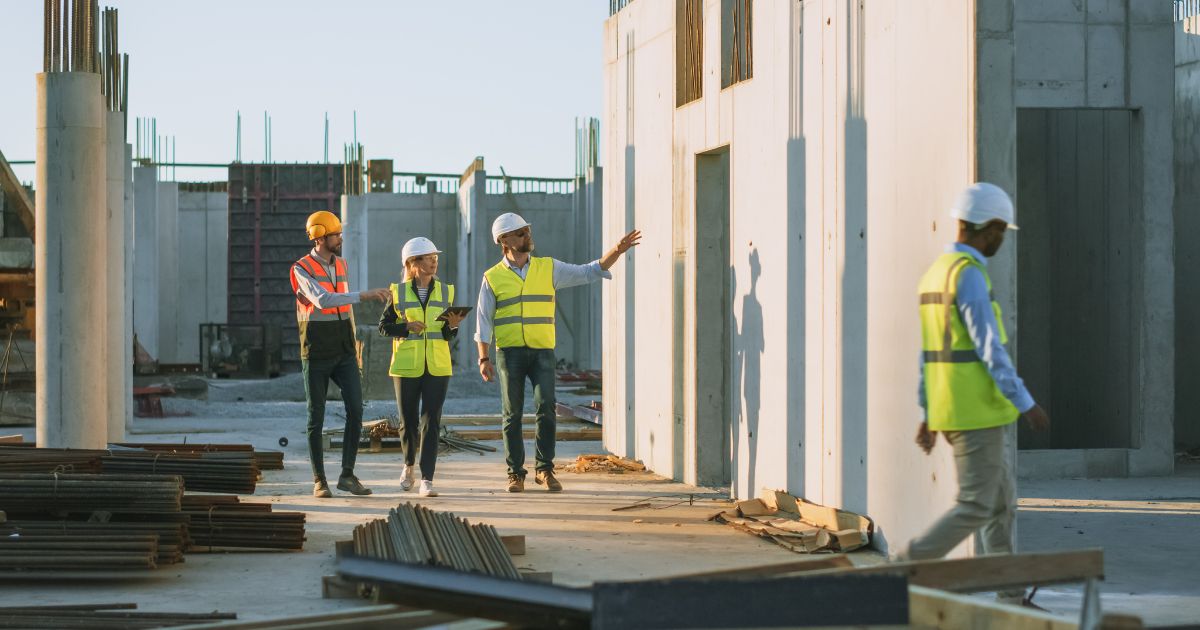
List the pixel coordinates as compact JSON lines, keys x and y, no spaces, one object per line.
{"x":145,"y":258}
{"x":71,"y":226}
{"x":474,"y":240}
{"x":355,"y":248}
{"x":127,"y":325}
{"x":168,"y":272}
{"x":117,"y":373}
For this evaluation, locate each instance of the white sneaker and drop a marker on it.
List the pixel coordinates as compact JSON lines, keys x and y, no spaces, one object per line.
{"x":406,"y":480}
{"x":427,"y":489}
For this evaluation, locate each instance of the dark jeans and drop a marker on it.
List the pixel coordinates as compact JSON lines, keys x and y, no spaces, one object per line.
{"x":514,"y":366}
{"x":419,"y":400}
{"x":317,"y":374}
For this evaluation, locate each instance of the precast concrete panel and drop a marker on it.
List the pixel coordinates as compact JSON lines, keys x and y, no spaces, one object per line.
{"x":168,"y":272}
{"x":1187,"y":223}
{"x":71,"y":403}
{"x":145,"y":259}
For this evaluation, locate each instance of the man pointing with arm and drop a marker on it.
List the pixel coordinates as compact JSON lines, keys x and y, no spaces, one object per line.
{"x":516,"y":306}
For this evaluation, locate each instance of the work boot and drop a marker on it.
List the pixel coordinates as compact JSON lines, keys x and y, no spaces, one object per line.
{"x":427,"y":489}
{"x":321,"y":489}
{"x":350,"y":484}
{"x":547,"y":477}
{"x":406,"y":479}
{"x":516,"y":483}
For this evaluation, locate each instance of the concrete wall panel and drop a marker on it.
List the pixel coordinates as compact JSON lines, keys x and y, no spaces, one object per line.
{"x":1187,"y":222}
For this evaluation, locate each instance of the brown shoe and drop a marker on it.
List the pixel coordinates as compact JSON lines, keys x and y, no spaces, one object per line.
{"x":321,"y":490}
{"x":547,"y":477}
{"x":516,"y":483}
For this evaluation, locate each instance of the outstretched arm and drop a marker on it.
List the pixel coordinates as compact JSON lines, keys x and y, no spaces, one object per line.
{"x":628,"y":242}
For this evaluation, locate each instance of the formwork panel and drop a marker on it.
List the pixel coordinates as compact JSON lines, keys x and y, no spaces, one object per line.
{"x":268,"y":206}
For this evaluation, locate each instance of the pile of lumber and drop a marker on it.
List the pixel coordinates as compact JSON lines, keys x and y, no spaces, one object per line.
{"x":798,"y":525}
{"x":412,"y":534}
{"x":225,"y":521}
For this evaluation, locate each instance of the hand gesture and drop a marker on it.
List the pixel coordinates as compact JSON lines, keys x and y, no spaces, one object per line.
{"x":926,"y":439}
{"x":487,"y":371}
{"x":416,"y":327}
{"x":629,"y":241}
{"x":454,"y":319}
{"x":379,"y":295}
{"x":1038,"y":419}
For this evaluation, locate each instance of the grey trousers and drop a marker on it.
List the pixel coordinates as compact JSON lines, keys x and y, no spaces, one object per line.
{"x":987,"y":499}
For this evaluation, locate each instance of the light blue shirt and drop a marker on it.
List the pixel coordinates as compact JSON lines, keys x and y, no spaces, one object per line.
{"x":974,"y":303}
{"x":565,"y":275}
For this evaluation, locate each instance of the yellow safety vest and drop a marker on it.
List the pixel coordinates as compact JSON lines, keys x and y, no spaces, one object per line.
{"x":524,"y":308}
{"x":412,"y":355}
{"x":960,"y":394}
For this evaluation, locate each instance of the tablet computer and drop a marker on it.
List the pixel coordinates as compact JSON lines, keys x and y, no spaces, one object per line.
{"x":457,"y":310}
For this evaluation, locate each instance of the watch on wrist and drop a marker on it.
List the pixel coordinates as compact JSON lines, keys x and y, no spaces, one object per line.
{"x":482,"y":360}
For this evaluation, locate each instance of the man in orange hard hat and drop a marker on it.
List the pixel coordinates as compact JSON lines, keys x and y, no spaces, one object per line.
{"x":321,"y":283}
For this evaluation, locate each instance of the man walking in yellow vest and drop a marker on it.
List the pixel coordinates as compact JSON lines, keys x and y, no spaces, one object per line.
{"x":516,"y":303}
{"x":321,"y":283}
{"x":969,"y":389}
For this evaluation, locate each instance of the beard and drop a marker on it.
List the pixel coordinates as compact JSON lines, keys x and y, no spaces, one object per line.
{"x":336,"y":249}
{"x":526,"y":247}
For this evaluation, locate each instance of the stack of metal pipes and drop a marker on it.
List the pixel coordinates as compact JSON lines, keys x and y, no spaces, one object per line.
{"x":224,"y":521}
{"x":62,"y":493}
{"x":228,"y":471}
{"x":171,"y":534}
{"x":416,"y":535}
{"x":121,"y":615}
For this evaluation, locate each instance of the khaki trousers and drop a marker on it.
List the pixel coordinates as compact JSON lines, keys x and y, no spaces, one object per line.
{"x":986,"y":499}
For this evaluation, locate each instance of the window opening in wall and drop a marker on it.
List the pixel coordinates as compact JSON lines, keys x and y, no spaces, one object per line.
{"x":737,"y":58}
{"x":689,"y":51}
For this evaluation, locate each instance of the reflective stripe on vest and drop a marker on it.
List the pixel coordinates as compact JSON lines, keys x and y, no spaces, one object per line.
{"x":524,"y":307}
{"x":960,"y":394}
{"x":413,"y":355}
{"x":340,"y":283}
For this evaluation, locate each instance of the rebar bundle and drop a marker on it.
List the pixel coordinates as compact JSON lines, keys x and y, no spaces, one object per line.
{"x":58,"y":493}
{"x":224,"y":521}
{"x":172,"y":536}
{"x":97,"y":616}
{"x":416,"y":535}
{"x":229,"y":471}
{"x":28,"y":460}
{"x":70,"y":36}
{"x":266,"y":460}
{"x":60,"y":551}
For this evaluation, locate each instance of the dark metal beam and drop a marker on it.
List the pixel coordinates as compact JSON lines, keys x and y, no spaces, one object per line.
{"x":14,"y":192}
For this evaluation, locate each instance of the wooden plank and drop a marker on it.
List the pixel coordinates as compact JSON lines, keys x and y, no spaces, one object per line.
{"x":14,"y":192}
{"x":515,"y":544}
{"x":995,"y":572}
{"x":937,"y":609}
{"x":335,"y":587}
{"x":12,"y":439}
{"x":819,"y":563}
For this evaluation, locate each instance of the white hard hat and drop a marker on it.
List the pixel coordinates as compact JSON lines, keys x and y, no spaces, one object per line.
{"x":418,"y":246}
{"x":505,"y":223}
{"x":981,"y":203}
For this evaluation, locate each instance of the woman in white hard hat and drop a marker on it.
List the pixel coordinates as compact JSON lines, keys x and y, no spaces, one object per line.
{"x":420,"y":367}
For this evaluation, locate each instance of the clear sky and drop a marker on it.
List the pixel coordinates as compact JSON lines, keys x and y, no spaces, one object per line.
{"x":434,"y":82}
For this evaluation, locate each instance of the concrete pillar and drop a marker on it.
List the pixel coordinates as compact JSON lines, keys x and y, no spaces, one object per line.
{"x":354,"y":248}
{"x":127,"y":326}
{"x":474,"y":241}
{"x":71,"y":226}
{"x":145,"y":258}
{"x":168,"y":272}
{"x":118,"y":375}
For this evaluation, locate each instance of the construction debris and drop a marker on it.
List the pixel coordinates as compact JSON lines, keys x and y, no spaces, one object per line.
{"x":413,"y":534}
{"x":798,"y":525}
{"x":603,"y":463}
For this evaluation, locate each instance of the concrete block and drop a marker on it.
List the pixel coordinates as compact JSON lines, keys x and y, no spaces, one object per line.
{"x":16,"y":253}
{"x":1049,"y":11}
{"x":1106,"y":65}
{"x":1187,"y":41}
{"x":1072,"y":463}
{"x":1150,"y":12}
{"x":1151,"y":59}
{"x":1106,"y":11}
{"x":1051,"y":52}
